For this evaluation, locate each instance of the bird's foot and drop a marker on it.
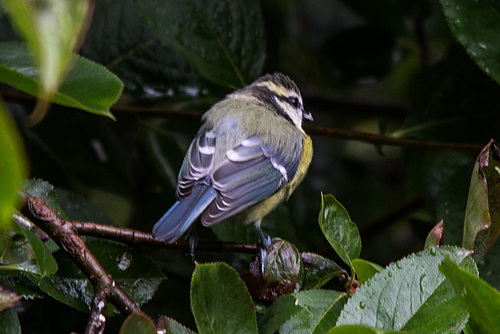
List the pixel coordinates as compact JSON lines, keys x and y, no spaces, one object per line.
{"x":264,"y":244}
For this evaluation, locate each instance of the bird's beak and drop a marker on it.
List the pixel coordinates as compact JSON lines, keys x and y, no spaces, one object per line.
{"x":307,"y":116}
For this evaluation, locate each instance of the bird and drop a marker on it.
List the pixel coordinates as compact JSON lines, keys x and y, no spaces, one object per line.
{"x":248,"y":156}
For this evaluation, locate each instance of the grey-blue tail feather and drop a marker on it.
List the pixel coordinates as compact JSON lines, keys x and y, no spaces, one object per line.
{"x":177,"y":220}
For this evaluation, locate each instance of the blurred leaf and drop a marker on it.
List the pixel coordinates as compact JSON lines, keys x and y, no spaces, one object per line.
{"x":365,"y":269}
{"x":10,"y":322}
{"x":172,"y":327}
{"x":12,"y":167}
{"x":79,"y":209}
{"x":7,"y":298}
{"x":475,"y":26}
{"x":411,"y":294}
{"x":318,"y":270}
{"x":138,"y":323}
{"x":136,"y":274}
{"x":119,"y":39}
{"x":44,"y":190}
{"x":435,"y":237}
{"x":480,"y":300}
{"x":339,"y":230}
{"x":482,"y":216}
{"x":52,"y":29}
{"x":223,"y":40}
{"x":283,"y":272}
{"x":46,"y":262}
{"x":358,"y":329}
{"x":313,"y":311}
{"x":444,"y":98}
{"x":88,"y":86}
{"x":220,"y":301}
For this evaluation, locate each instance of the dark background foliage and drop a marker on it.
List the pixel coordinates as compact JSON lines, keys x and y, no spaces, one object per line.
{"x":385,"y":67}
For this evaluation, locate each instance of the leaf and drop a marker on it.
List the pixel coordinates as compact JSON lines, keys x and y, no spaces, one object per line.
{"x":365,"y":269}
{"x":135,"y":273}
{"x":220,"y":301}
{"x":52,"y":29}
{"x":283,"y":272}
{"x":481,"y":300}
{"x":476,"y":26}
{"x":88,"y":86}
{"x":482,"y":215}
{"x":435,"y":237}
{"x":223,"y":40}
{"x":318,"y":270}
{"x":138,"y":323}
{"x":357,"y":329}
{"x":46,"y":262}
{"x":313,"y":311}
{"x":10,"y":322}
{"x":411,"y":295}
{"x":12,"y":167}
{"x":172,"y":327}
{"x":44,"y":190}
{"x":339,"y":230}
{"x":130,"y":50}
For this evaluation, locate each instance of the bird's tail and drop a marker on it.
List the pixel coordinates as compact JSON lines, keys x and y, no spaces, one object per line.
{"x":177,"y":220}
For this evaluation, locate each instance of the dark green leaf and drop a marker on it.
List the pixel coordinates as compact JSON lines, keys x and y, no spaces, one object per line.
{"x":119,"y":39}
{"x":411,"y":294}
{"x":339,"y":230}
{"x":313,"y":311}
{"x":482,"y":215}
{"x":46,"y":263}
{"x":481,"y":300}
{"x":476,"y":25}
{"x":88,"y":86}
{"x":358,"y":329}
{"x":318,"y":270}
{"x":12,"y":167}
{"x":136,"y":274}
{"x":138,"y":323}
{"x":10,"y":322}
{"x":365,"y":269}
{"x":223,"y":40}
{"x":44,"y":190}
{"x":220,"y":301}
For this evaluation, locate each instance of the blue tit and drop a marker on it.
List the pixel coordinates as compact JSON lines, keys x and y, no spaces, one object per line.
{"x":248,"y":156}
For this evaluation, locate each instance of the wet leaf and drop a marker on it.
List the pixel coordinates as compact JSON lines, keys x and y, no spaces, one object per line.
{"x":318,"y":270}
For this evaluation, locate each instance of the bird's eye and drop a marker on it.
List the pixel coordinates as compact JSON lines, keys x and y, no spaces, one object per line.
{"x":294,"y":102}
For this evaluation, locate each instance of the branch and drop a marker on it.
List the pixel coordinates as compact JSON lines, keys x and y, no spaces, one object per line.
{"x":64,"y":234}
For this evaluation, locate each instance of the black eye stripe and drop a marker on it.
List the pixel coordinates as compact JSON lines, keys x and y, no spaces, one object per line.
{"x":293,"y":100}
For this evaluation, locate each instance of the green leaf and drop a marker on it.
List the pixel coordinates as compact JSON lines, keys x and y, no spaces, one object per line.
{"x":365,"y":269}
{"x":88,"y":86}
{"x":44,"y":190}
{"x":220,"y":301}
{"x":135,"y":273}
{"x":313,"y":311}
{"x":435,"y":236}
{"x":12,"y":167}
{"x":481,"y":300}
{"x":172,"y":327}
{"x":482,"y":215}
{"x":411,"y":294}
{"x":52,"y":30}
{"x":318,"y":270}
{"x":10,"y":322}
{"x":46,"y":262}
{"x":357,"y":329}
{"x":138,"y":323}
{"x":476,"y":25}
{"x":223,"y":40}
{"x":339,"y":230}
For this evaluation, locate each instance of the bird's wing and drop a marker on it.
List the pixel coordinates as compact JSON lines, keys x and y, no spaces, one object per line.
{"x":251,"y":172}
{"x":197,"y":164}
